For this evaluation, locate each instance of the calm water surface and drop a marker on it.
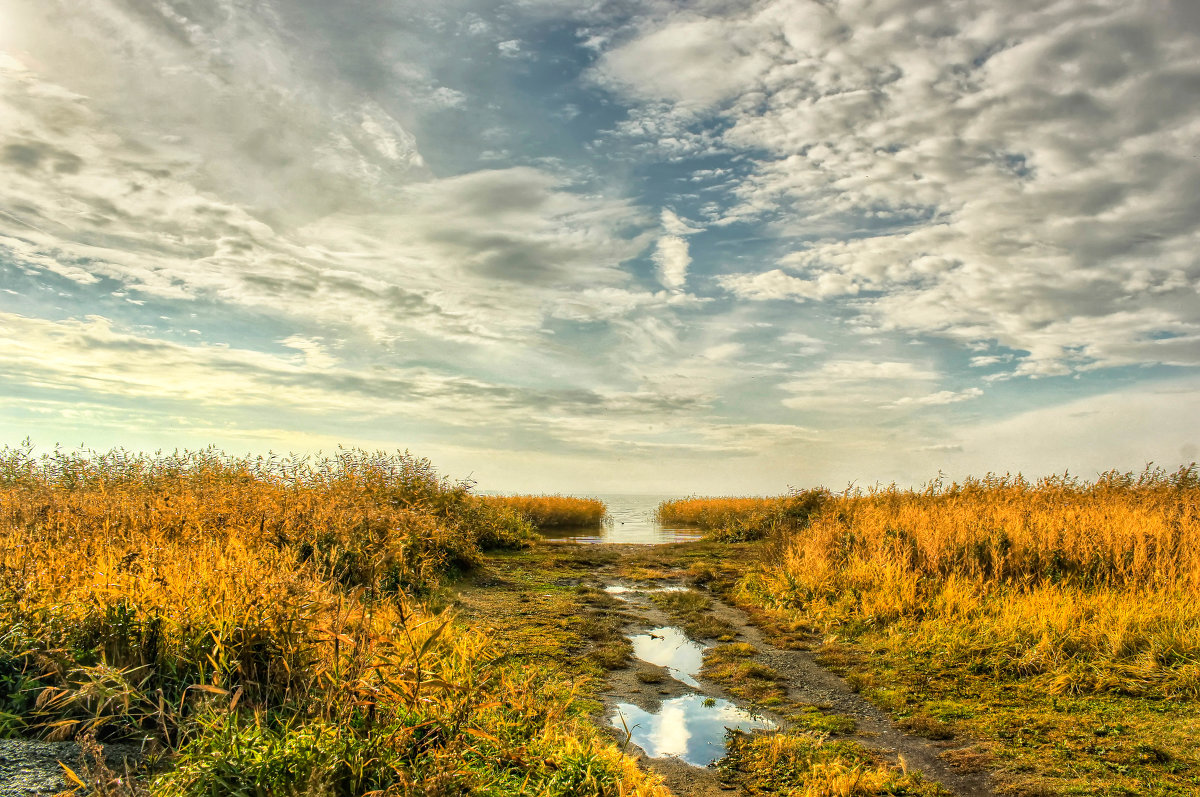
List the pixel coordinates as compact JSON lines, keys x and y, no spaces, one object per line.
{"x":691,"y":728}
{"x":670,"y":647}
{"x":630,"y":520}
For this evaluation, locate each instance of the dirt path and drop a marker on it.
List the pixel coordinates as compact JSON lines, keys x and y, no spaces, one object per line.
{"x":31,"y":768}
{"x":807,"y":683}
{"x":552,"y":600}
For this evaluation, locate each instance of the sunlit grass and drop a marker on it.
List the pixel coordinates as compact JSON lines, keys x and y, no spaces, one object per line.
{"x":806,"y":766}
{"x":553,"y":511}
{"x":262,"y":626}
{"x":746,"y":518}
{"x":1009,"y":600}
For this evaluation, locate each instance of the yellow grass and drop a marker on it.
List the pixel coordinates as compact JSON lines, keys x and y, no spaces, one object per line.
{"x":747,"y":518}
{"x":1050,"y":622}
{"x":553,"y":511}
{"x":711,"y":513}
{"x":260,"y":622}
{"x":1093,"y":587}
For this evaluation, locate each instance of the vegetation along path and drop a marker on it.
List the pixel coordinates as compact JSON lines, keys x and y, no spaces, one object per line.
{"x":681,"y":666}
{"x":196,"y":625}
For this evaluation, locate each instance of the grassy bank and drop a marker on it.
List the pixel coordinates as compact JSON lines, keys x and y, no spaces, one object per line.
{"x":270,"y":626}
{"x":553,"y":511}
{"x":1055,"y":621}
{"x":743,"y":519}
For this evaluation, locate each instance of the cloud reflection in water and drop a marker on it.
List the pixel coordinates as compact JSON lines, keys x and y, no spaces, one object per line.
{"x":686,"y":728}
{"x":669,"y":647}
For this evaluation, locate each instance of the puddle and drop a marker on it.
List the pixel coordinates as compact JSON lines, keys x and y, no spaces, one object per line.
{"x":669,"y":647}
{"x":621,"y":589}
{"x":690,"y":728}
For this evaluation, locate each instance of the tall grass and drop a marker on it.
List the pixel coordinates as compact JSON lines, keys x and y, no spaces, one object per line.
{"x":739,"y":519}
{"x":259,"y":623}
{"x":553,"y":511}
{"x":1088,"y":587}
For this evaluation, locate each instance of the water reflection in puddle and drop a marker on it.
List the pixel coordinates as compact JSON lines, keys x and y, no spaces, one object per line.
{"x":691,"y":728}
{"x":669,"y":647}
{"x":621,"y":589}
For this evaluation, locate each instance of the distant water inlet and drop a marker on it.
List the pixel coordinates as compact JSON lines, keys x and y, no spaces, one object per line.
{"x":630,"y":520}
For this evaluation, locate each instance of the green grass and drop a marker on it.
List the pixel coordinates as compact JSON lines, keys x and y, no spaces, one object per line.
{"x":692,"y":611}
{"x":798,"y":763}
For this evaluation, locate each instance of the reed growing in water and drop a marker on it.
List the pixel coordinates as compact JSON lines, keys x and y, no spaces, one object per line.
{"x":553,"y":511}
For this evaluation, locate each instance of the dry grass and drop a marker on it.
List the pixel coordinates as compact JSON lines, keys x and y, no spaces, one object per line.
{"x":804,"y":765}
{"x":1070,"y":602}
{"x":1091,"y":586}
{"x":710,"y":513}
{"x":739,"y":519}
{"x":260,"y":624}
{"x":553,"y":511}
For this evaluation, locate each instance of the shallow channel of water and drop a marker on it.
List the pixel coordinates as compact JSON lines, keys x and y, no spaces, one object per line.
{"x":630,"y":520}
{"x":691,"y":728}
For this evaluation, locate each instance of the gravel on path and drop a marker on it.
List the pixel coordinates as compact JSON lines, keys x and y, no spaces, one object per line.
{"x":30,"y":768}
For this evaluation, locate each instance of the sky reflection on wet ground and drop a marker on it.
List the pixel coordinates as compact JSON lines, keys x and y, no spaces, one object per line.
{"x":691,"y":728}
{"x":669,"y":647}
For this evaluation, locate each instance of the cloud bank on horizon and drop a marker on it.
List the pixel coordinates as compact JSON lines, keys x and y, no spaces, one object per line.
{"x":617,"y":245}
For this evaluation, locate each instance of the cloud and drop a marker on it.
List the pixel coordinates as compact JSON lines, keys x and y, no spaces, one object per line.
{"x":724,"y":351}
{"x":801,"y":344}
{"x":316,"y":221}
{"x":776,"y":284}
{"x":1124,"y":429}
{"x":674,"y":225}
{"x":847,"y":387}
{"x":1024,"y":179}
{"x":695,"y":62}
{"x":95,"y":362}
{"x":939,"y":398}
{"x":591,"y":305}
{"x":511,"y":49}
{"x":671,"y":253}
{"x":476,"y":257}
{"x":671,"y":257}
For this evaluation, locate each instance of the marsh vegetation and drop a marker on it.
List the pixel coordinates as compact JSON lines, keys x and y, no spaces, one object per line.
{"x":553,"y":511}
{"x":360,"y":624}
{"x":1056,"y":622}
{"x":274,"y":627}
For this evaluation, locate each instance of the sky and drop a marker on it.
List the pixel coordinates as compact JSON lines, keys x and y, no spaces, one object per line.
{"x":607,"y":245}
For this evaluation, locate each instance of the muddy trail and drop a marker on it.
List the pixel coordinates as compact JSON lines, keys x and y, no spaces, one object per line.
{"x":681,"y":666}
{"x":808,"y":686}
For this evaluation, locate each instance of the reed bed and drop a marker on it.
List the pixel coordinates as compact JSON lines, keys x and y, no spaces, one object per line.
{"x":1051,"y":620}
{"x":746,"y":518}
{"x":1089,"y":586}
{"x":553,"y":511}
{"x":259,"y":625}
